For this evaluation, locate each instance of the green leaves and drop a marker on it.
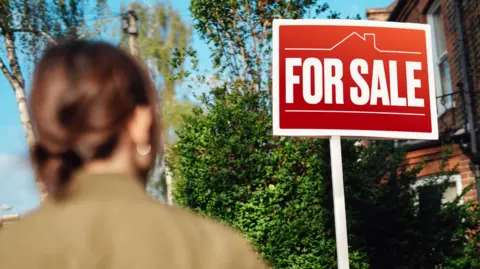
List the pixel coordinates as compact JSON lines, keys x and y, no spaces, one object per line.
{"x":277,"y":192}
{"x":227,"y":165}
{"x":239,"y":34}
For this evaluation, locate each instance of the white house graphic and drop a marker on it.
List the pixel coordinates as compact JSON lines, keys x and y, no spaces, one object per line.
{"x":366,"y":37}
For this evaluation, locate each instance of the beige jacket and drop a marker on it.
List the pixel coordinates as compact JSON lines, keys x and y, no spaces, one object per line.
{"x":108,"y":222}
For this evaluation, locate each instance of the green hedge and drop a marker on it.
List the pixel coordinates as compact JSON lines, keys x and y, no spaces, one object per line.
{"x":277,"y":192}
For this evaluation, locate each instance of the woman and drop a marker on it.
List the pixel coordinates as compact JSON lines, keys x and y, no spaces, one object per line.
{"x":94,"y":111}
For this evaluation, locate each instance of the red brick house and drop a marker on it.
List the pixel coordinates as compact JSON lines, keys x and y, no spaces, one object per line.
{"x":456,"y":52}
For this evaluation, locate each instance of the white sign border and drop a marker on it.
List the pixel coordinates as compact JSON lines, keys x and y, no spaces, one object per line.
{"x":277,"y":131}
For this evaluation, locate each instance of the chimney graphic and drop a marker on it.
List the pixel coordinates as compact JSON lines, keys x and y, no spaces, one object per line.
{"x":370,"y":38}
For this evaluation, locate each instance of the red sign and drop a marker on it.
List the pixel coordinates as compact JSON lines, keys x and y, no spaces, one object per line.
{"x":353,"y":78}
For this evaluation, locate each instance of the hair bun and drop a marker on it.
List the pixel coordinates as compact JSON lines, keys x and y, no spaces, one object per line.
{"x":56,"y":169}
{"x":40,"y":154}
{"x":70,"y":161}
{"x":71,"y":157}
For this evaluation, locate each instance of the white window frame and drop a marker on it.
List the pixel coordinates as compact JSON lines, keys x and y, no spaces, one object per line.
{"x":457,"y":179}
{"x":450,"y":103}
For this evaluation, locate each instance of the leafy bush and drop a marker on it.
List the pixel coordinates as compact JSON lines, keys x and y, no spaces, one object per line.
{"x":277,"y":192}
{"x":228,"y":166}
{"x":400,"y":226}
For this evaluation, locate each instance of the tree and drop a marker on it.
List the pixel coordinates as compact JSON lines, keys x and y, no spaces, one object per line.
{"x":162,"y":38}
{"x":161,"y":31}
{"x":239,"y":33}
{"x":26,"y":27}
{"x":277,"y":191}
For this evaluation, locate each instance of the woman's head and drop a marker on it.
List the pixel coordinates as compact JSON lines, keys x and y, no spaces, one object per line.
{"x":93,"y":107}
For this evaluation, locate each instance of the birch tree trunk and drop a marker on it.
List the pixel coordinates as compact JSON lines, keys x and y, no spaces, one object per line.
{"x":168,"y":178}
{"x":16,"y":80}
{"x":22,"y":105}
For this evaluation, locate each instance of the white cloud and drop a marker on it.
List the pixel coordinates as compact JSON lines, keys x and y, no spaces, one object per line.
{"x":13,"y":139}
{"x":17,"y":184}
{"x":14,"y":161}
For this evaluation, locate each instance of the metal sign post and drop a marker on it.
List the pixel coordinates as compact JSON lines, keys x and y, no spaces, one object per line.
{"x":339,"y":202}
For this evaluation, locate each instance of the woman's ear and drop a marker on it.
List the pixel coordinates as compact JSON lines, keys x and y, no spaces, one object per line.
{"x":139,"y":126}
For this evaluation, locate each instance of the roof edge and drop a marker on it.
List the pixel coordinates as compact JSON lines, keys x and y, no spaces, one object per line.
{"x":377,"y":10}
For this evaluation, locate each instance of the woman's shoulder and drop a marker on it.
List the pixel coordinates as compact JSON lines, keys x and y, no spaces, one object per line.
{"x":185,"y":220}
{"x":155,"y":225}
{"x":17,"y":239}
{"x":210,"y":236}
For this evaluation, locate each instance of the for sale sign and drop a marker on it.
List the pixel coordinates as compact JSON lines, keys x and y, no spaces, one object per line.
{"x":353,"y":78}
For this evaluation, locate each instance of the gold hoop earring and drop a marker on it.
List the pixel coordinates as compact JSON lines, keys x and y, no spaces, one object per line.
{"x":144,"y":150}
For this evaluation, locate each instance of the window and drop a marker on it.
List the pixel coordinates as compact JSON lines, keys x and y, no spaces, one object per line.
{"x":442,"y":67}
{"x":430,"y":191}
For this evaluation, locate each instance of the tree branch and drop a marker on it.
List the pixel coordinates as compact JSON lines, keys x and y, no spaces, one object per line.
{"x":229,"y":41}
{"x":49,"y":38}
{"x":242,"y":48}
{"x":9,"y":40}
{"x":7,"y":72}
{"x":256,"y":44}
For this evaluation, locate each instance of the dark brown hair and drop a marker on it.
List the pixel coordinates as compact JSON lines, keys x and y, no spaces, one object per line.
{"x":83,"y":95}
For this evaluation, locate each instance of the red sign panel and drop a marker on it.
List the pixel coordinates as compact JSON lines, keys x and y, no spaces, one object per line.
{"x":353,"y":78}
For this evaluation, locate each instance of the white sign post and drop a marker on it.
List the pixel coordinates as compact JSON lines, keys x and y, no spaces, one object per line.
{"x":353,"y":79}
{"x":341,"y":235}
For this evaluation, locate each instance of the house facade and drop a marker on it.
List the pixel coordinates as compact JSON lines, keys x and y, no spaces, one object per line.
{"x":456,"y":52}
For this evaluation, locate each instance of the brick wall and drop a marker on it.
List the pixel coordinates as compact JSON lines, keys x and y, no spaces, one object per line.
{"x":468,"y":177}
{"x":415,"y":11}
{"x":458,"y":160}
{"x":411,"y":11}
{"x":471,"y":16}
{"x":454,"y":51}
{"x":471,"y":10}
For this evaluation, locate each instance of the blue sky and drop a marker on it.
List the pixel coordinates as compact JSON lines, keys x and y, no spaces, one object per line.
{"x":17,"y":187}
